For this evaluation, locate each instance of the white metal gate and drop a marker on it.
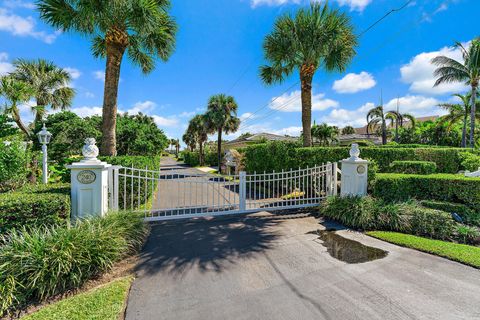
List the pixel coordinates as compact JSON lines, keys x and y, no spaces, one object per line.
{"x":166,"y":194}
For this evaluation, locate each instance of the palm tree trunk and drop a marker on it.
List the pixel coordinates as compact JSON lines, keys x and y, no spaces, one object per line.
{"x":109,"y":111}
{"x":396,"y":130}
{"x":472,"y":116}
{"x":200,"y":156}
{"x":219,"y":149}
{"x":464,"y":131}
{"x":19,"y":122}
{"x":306,"y":109}
{"x":384,"y":132}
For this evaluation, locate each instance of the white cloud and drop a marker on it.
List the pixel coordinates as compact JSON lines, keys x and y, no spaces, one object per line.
{"x":289,"y":131}
{"x":89,"y":94}
{"x":344,"y":117}
{"x":24,"y":26}
{"x":165,"y":122}
{"x":99,"y":75}
{"x":354,"y":82}
{"x":355,"y":5}
{"x":5,"y":66}
{"x":419,"y":73}
{"x":247,"y":115}
{"x":187,"y":114}
{"x":142,"y":106}
{"x":418,"y":106}
{"x":86,"y":111}
{"x":255,"y":3}
{"x":291,"y":102}
{"x":74,"y":73}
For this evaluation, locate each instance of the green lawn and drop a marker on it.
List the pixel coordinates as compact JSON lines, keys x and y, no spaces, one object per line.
{"x":466,"y":254}
{"x":105,"y":302}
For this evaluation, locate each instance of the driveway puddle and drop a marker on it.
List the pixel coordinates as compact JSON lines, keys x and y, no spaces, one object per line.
{"x":346,"y":250}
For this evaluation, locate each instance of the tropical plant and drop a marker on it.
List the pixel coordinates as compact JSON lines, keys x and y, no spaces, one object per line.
{"x":398,"y":120}
{"x":49,"y":82}
{"x":467,"y":71}
{"x":15,"y":92}
{"x":376,"y":120}
{"x":325,"y":134}
{"x":348,"y":130}
{"x":459,"y":113}
{"x":198,"y":128}
{"x":189,"y":138}
{"x":7,"y":127}
{"x":317,"y":37}
{"x":222,"y":117}
{"x":141,"y":29}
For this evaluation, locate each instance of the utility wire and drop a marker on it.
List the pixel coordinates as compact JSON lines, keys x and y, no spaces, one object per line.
{"x":384,"y":16}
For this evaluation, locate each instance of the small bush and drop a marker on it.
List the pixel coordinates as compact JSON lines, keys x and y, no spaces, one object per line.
{"x":413,"y":167}
{"x":193,"y":158}
{"x":355,"y":212}
{"x":429,"y":222}
{"x":35,"y":205}
{"x":467,"y":234}
{"x":469,"y":161}
{"x":394,"y":187}
{"x":14,"y":160}
{"x":36,"y":264}
{"x":468,"y":214}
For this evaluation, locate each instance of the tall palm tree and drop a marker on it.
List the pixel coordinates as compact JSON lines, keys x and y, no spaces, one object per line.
{"x":467,"y":71}
{"x":398,"y":120}
{"x":15,"y":92}
{"x":222,"y":117}
{"x":189,"y":138}
{"x":141,"y":29}
{"x":459,"y":112}
{"x":325,"y":134}
{"x":375,"y":119}
{"x":49,"y":82}
{"x":198,"y":125}
{"x":316,"y":37}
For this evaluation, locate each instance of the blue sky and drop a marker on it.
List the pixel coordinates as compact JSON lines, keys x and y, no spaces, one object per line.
{"x":219,"y":50}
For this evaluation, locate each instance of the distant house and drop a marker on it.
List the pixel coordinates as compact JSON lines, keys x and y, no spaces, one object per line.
{"x":246,"y":140}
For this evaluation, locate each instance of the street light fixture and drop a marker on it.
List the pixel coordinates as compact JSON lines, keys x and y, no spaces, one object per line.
{"x":44,"y":138}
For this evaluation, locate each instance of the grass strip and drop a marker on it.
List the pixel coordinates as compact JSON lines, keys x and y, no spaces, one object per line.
{"x":102,"y":303}
{"x":469,"y":255}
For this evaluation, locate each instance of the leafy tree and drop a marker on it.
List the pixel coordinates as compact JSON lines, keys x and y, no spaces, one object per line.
{"x":450,"y":70}
{"x":15,"y":92}
{"x":222,"y":117}
{"x":459,"y":112}
{"x":198,"y":127}
{"x":317,"y":37}
{"x":325,"y":134}
{"x":6,"y":127}
{"x":141,"y":29}
{"x":348,"y":130}
{"x":49,"y":82}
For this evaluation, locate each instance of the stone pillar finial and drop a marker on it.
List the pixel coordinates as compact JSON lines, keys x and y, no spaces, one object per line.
{"x":354,"y":152}
{"x":90,"y":150}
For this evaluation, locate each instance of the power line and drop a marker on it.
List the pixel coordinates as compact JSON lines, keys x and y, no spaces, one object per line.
{"x":384,"y":16}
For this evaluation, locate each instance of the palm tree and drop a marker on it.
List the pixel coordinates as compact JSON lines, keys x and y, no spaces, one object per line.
{"x":348,"y":130}
{"x":14,"y":93}
{"x":325,"y":134}
{"x":450,"y":70}
{"x":222,"y":117}
{"x":49,"y":82}
{"x":141,"y":29}
{"x":317,"y":37}
{"x":376,"y":118}
{"x":198,"y":126}
{"x":459,"y":112}
{"x":189,"y":138}
{"x":398,"y":119}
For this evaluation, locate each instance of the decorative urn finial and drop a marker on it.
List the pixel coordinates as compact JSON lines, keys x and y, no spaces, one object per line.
{"x":90,"y":150}
{"x":354,"y":152}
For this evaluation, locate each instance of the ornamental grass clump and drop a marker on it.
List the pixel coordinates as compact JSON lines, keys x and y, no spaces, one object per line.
{"x":37,"y":263}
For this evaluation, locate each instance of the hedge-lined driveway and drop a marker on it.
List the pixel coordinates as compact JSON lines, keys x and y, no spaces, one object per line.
{"x":274,"y":267}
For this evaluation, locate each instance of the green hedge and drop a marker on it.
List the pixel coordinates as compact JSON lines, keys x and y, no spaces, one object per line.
{"x":193,"y":158}
{"x":14,"y":161}
{"x":468,"y":214}
{"x":33,"y":206}
{"x":39,"y":263}
{"x":442,"y":187}
{"x":469,"y":161}
{"x":280,"y":155}
{"x":413,"y":167}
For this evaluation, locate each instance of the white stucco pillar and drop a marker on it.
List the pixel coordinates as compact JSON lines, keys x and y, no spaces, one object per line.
{"x":89,"y":183}
{"x":354,"y":174}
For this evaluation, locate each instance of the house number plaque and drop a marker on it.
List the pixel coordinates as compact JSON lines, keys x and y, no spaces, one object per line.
{"x":86,"y":176}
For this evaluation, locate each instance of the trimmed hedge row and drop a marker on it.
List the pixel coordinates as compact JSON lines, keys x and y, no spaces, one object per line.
{"x":280,"y":155}
{"x":468,"y":215}
{"x":192,"y":158}
{"x":39,"y":263}
{"x":413,"y":167}
{"x":443,"y":187}
{"x":33,"y":206}
{"x":469,"y":161}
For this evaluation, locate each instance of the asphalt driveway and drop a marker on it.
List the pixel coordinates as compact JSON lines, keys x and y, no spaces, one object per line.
{"x":268,"y":266}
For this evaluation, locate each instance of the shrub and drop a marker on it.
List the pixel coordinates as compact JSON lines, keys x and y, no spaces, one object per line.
{"x":467,"y":234}
{"x":14,"y":160}
{"x":413,"y":167}
{"x":35,"y":205}
{"x":429,"y":222}
{"x":443,"y":187}
{"x":468,"y":214}
{"x":36,"y":264}
{"x":469,"y":161}
{"x":286,"y":155}
{"x":193,"y":158}
{"x":355,"y":212}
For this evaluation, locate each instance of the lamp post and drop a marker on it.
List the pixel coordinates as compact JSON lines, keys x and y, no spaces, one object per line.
{"x":44,"y":138}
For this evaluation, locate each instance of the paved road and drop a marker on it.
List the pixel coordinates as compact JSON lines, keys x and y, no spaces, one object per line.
{"x":272,"y":267}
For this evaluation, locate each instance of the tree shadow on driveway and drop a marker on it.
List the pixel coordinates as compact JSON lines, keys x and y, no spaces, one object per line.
{"x":175,"y":247}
